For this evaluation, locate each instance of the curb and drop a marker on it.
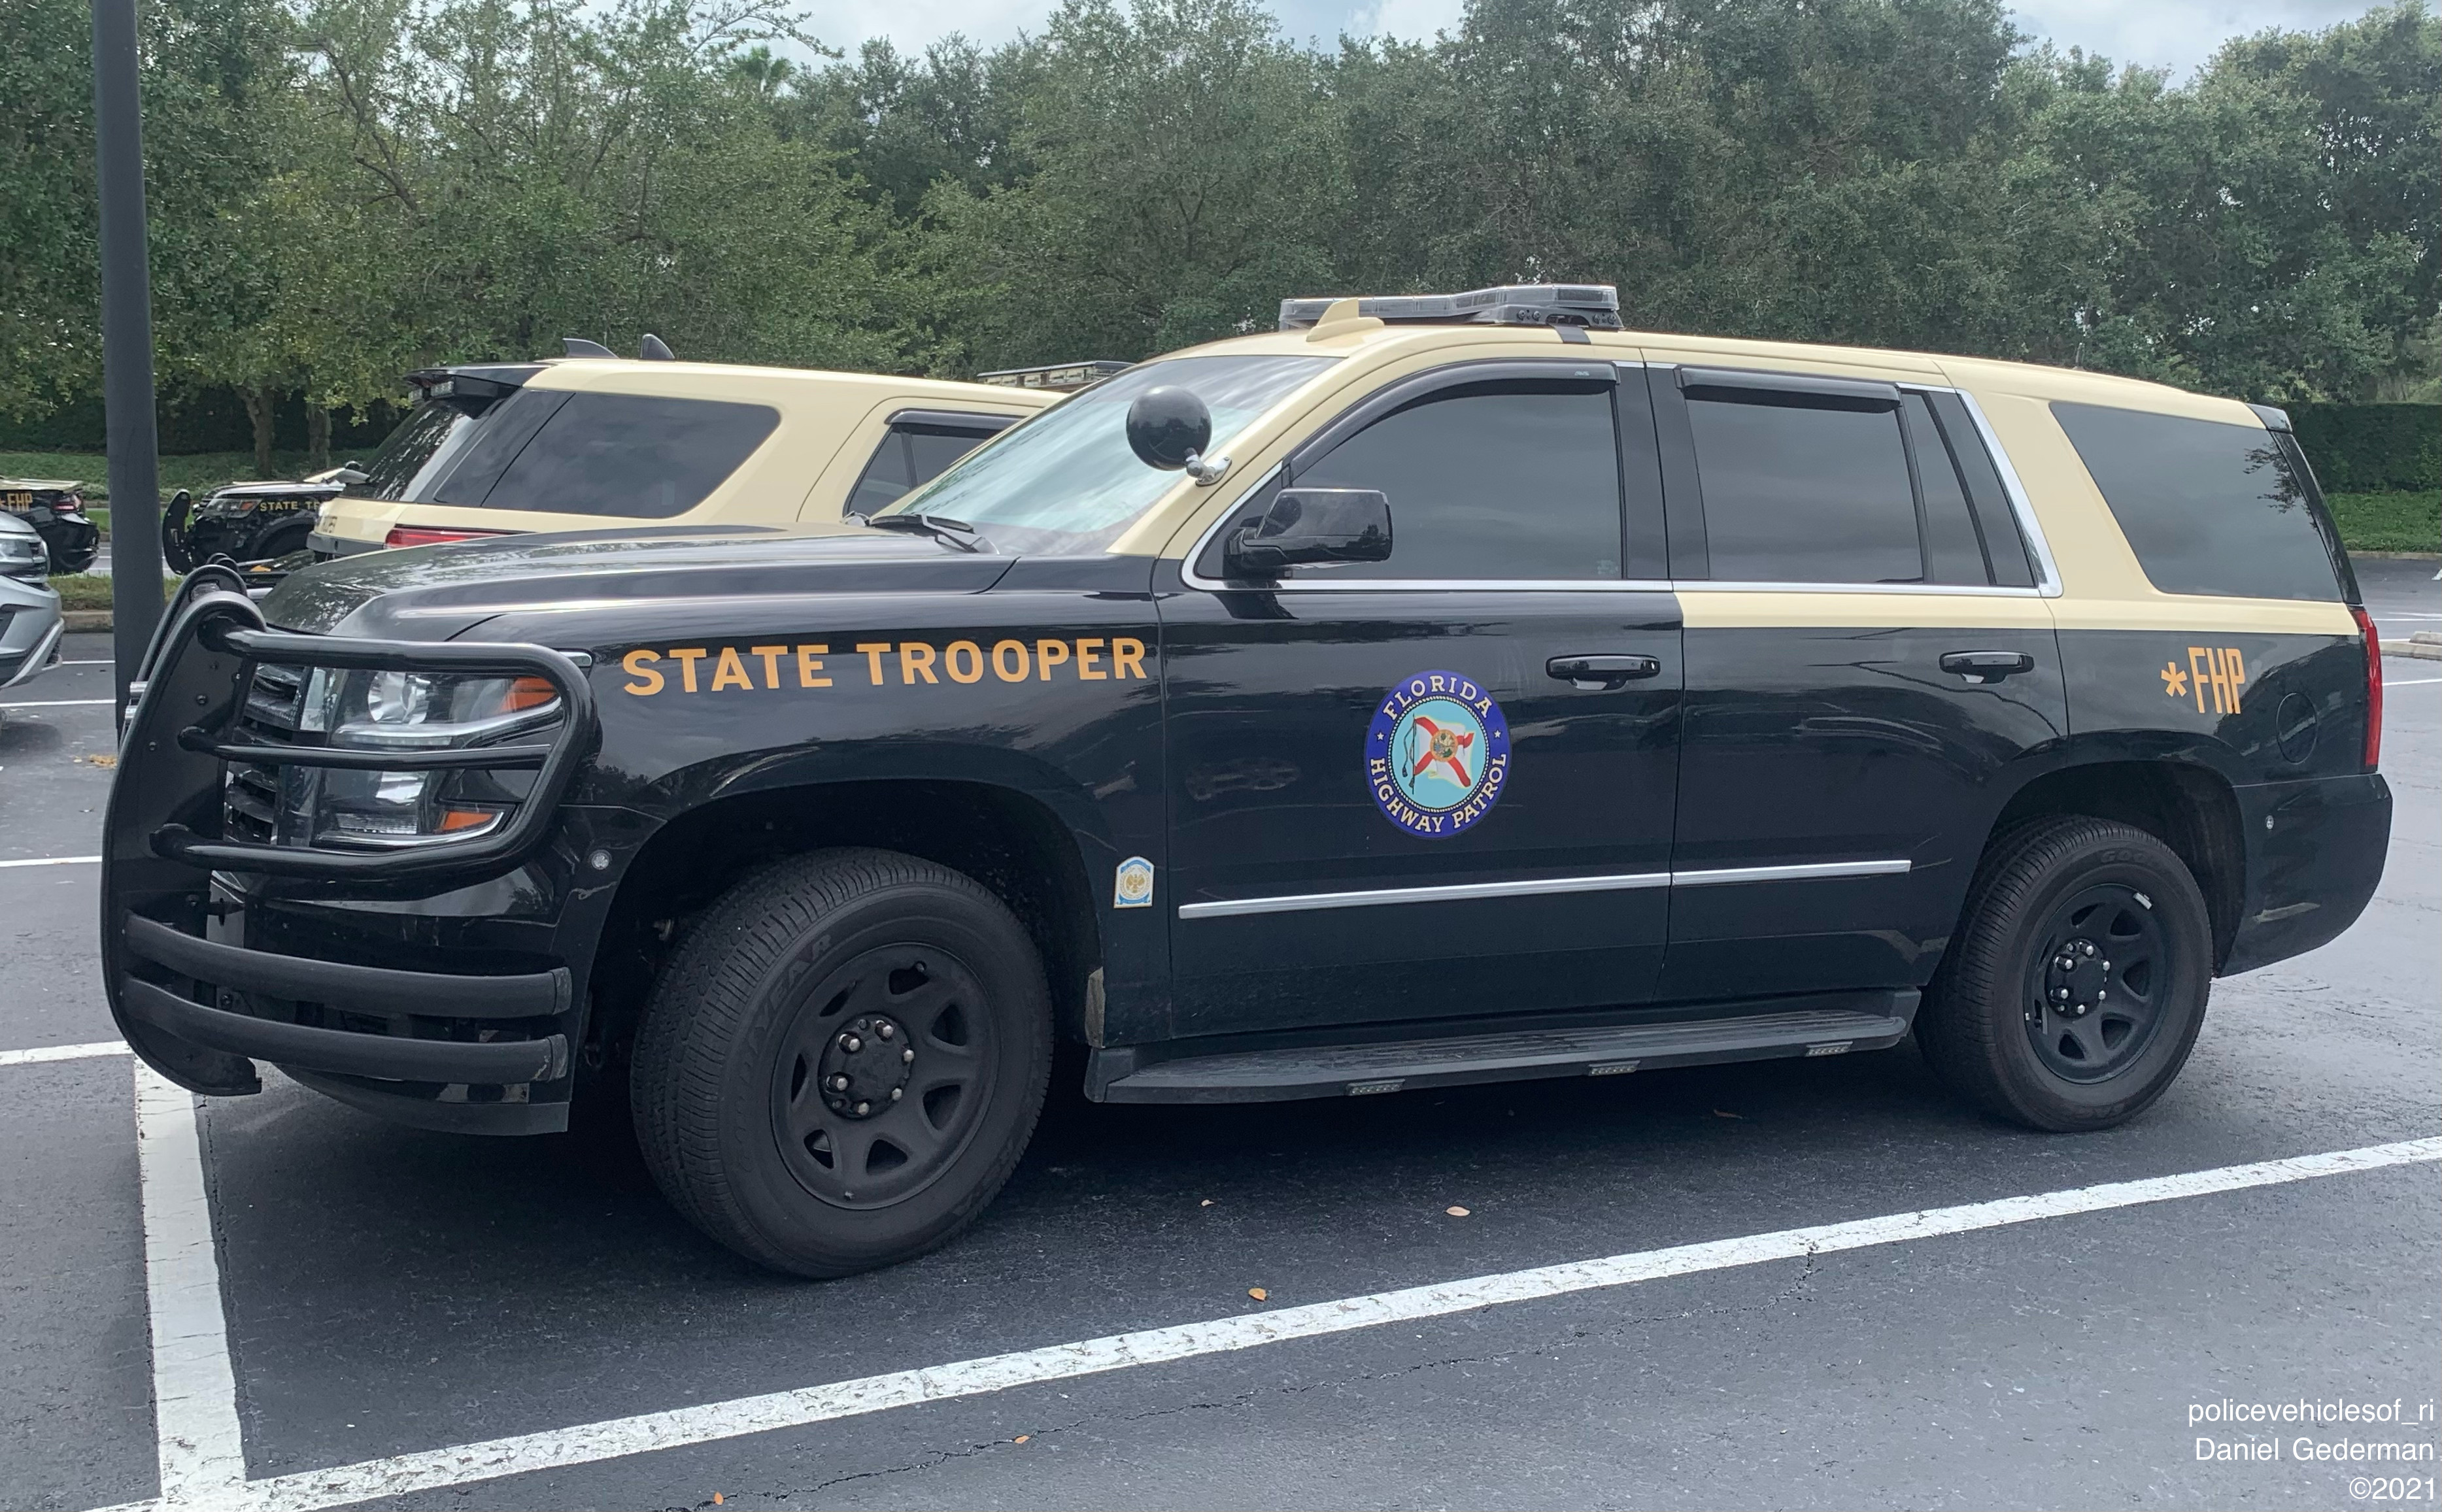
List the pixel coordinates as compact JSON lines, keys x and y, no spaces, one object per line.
{"x":80,"y":620}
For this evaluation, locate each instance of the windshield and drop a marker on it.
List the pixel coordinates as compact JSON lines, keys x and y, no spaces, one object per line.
{"x":1066,"y":481}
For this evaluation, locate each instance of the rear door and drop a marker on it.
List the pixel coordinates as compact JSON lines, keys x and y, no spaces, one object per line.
{"x":1389,"y":799}
{"x":1867,"y":650}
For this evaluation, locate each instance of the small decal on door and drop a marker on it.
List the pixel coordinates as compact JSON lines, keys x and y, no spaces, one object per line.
{"x":1133,"y":887}
{"x":1436,"y":754}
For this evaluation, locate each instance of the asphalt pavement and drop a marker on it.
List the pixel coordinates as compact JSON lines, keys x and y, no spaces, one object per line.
{"x":389,"y":1296}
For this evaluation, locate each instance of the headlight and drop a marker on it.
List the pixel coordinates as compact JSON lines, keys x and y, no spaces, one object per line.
{"x":416,"y":711}
{"x":25,"y":557}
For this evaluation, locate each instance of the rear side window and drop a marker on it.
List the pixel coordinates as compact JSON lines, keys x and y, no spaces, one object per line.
{"x":1796,"y":492}
{"x":2207,"y":507}
{"x":412,"y":450}
{"x":1516,"y":481}
{"x":617,"y":455}
{"x":914,"y":452}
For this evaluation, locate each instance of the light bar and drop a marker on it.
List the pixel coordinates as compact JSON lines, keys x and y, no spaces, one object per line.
{"x":1594,"y":305}
{"x":1059,"y":377}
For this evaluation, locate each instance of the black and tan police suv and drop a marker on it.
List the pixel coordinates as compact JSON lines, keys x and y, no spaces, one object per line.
{"x":1437,"y":690}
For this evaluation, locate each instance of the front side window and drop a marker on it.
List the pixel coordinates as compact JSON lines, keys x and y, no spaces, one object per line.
{"x":1800,"y":493}
{"x":911,"y":455}
{"x":1509,"y":481}
{"x":1066,"y":480}
{"x":2207,"y":507}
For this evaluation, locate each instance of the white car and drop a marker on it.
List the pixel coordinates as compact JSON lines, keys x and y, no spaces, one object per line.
{"x":30,"y":609}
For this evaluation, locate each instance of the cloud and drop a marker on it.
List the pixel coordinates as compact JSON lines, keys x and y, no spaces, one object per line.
{"x":2178,"y":34}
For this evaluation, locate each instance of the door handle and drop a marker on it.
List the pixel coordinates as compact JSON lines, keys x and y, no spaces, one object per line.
{"x":1605,"y":672}
{"x":1987,"y":667}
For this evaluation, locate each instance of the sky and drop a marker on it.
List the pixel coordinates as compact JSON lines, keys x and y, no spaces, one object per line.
{"x":2178,"y":34}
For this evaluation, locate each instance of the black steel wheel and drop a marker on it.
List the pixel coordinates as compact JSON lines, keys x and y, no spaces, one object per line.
{"x":882,"y":1077}
{"x":843,"y":1062}
{"x":2076,"y":983}
{"x":2096,"y":998}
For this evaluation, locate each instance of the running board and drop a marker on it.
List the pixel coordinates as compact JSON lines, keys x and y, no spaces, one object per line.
{"x":1827,"y":1025}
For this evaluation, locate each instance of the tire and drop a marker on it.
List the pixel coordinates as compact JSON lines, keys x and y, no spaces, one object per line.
{"x":869,"y":966}
{"x":281,"y":539}
{"x":2076,"y":985}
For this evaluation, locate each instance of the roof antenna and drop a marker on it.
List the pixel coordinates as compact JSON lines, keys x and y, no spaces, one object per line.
{"x":653,"y":349}
{"x":576,"y":346}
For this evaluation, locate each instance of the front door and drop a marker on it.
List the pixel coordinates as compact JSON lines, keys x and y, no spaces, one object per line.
{"x":1868,"y":653}
{"x":1398,"y":791}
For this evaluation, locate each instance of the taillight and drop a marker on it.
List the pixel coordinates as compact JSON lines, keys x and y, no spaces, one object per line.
{"x":2373,"y":689}
{"x":433,"y":535}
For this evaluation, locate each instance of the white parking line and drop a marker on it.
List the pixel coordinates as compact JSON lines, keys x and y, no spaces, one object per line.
{"x":58,"y":703}
{"x":465,"y":1463}
{"x":194,"y":1391}
{"x":55,"y":861}
{"x":61,"y":1052}
{"x":2409,"y":681}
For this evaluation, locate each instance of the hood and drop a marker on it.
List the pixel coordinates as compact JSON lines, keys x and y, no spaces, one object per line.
{"x":280,"y":490}
{"x":433,"y":593}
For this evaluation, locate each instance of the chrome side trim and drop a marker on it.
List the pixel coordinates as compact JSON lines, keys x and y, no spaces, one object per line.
{"x":1937,"y":590}
{"x":1809,"y":871}
{"x":1624,"y":881}
{"x":1298,"y":903}
{"x":2020,"y":504}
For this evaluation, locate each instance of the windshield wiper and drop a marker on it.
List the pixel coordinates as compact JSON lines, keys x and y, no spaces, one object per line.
{"x":940,"y":527}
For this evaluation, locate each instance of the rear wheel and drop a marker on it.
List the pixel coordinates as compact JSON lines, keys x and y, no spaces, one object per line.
{"x":2076,"y":986}
{"x":843,"y":1062}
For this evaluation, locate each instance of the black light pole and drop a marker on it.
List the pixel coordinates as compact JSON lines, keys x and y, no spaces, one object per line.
{"x":126,"y":343}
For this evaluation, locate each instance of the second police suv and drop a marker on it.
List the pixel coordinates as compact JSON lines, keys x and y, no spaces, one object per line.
{"x":1438,"y":690}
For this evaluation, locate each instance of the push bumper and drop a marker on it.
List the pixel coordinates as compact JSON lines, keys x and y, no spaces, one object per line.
{"x":201,"y":1004}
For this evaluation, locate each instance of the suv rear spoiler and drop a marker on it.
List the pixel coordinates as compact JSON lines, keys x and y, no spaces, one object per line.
{"x":472,"y":390}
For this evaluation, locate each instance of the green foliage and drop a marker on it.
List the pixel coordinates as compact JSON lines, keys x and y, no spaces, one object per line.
{"x":342,"y":189}
{"x":2401,"y":521}
{"x":197,"y":472}
{"x":2372,"y":448}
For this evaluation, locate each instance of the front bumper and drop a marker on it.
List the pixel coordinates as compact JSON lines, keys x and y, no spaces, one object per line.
{"x":29,"y":640}
{"x":201,"y":1001}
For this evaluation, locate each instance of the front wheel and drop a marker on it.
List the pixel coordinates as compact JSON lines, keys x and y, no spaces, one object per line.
{"x":843,"y":1062}
{"x":2077,"y":983}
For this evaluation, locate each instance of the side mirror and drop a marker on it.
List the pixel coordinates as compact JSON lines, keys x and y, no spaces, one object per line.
{"x":1312,"y":526}
{"x":1169,"y":427}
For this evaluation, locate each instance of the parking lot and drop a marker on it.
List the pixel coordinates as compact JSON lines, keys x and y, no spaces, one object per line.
{"x":1797,"y":1283}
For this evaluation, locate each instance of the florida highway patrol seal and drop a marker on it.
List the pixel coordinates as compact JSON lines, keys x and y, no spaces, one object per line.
{"x":1436,"y":754}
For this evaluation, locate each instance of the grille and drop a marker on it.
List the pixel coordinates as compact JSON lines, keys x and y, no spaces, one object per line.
{"x":250,"y":800}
